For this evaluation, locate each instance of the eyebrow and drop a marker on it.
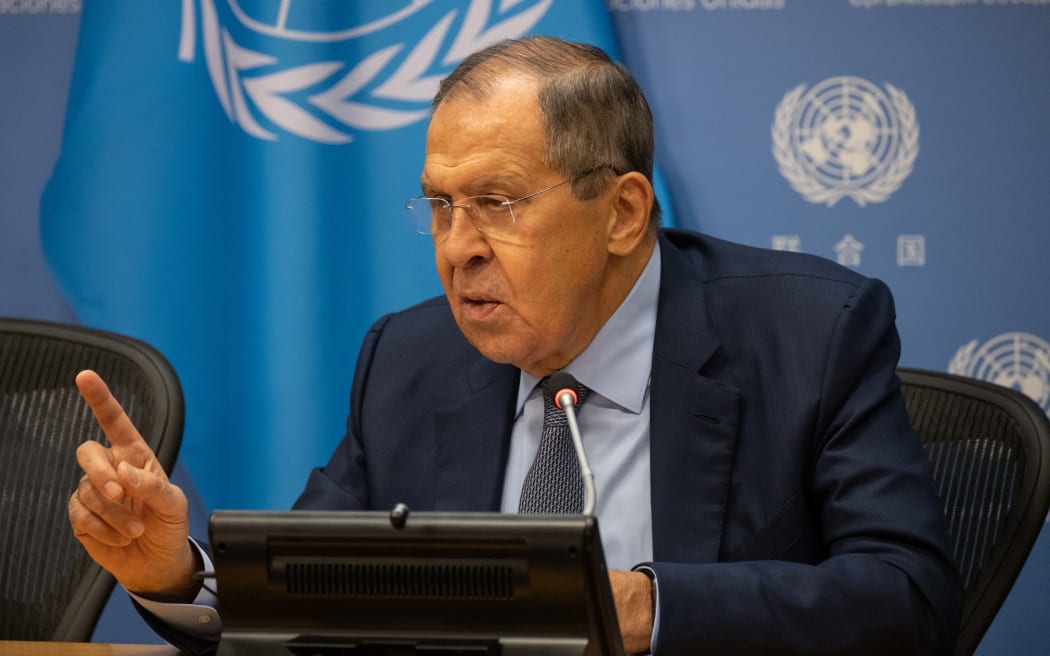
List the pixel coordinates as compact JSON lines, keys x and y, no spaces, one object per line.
{"x":424,"y":189}
{"x":482,"y":185}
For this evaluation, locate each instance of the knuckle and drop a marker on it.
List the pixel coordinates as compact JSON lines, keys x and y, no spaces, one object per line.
{"x":81,"y":520}
{"x":91,"y":456}
{"x":88,"y":526}
{"x":84,"y":451}
{"x":87,"y":496}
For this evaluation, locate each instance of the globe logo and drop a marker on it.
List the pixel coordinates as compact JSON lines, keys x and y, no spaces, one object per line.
{"x":323,"y":71}
{"x":1018,"y":360}
{"x":845,"y":137}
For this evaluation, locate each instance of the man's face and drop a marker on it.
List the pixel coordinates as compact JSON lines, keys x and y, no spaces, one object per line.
{"x":534,"y":298}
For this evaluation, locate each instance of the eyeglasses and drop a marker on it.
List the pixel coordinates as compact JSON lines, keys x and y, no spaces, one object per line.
{"x":491,"y":214}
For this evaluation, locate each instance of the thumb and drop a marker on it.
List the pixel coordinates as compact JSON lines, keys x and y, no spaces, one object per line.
{"x":155,"y":491}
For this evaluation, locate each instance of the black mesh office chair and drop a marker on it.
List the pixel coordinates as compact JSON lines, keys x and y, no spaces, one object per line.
{"x":990,"y":449}
{"x":49,"y":588}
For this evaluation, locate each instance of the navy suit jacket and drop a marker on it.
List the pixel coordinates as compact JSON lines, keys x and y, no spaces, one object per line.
{"x":793,"y":507}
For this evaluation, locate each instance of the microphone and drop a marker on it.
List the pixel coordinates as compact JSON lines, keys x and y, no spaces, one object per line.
{"x":562,"y":387}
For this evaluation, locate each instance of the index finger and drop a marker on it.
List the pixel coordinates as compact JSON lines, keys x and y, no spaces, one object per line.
{"x":111,"y":417}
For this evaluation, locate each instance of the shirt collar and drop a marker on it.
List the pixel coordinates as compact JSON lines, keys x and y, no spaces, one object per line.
{"x":618,"y":361}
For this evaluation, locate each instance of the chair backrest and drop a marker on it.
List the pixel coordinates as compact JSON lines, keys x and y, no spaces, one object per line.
{"x":990,"y":450}
{"x":49,"y":588}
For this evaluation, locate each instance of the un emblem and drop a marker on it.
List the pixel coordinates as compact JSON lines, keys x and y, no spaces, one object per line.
{"x":845,"y":137}
{"x":1017,"y":360}
{"x":303,"y":67}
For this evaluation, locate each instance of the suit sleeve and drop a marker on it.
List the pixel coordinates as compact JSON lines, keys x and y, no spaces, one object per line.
{"x":888,"y":584}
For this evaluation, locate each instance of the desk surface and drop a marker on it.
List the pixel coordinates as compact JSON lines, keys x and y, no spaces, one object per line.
{"x":22,"y":648}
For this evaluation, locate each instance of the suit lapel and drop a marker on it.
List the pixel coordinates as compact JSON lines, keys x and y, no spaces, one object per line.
{"x":693,"y":421}
{"x":473,"y":438}
{"x":693,"y":427}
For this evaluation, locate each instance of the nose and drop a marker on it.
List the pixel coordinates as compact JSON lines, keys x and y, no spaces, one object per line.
{"x":463,"y":245}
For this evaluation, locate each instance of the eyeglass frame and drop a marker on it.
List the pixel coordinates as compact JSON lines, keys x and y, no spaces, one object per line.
{"x":507,"y":202}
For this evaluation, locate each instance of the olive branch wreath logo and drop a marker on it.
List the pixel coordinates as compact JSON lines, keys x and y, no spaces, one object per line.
{"x":791,"y":166}
{"x":343,"y":101}
{"x":1003,"y":359}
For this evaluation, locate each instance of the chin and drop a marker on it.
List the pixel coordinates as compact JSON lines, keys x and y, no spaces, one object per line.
{"x":494,"y":348}
{"x":501,"y":344}
{"x":496,"y":353}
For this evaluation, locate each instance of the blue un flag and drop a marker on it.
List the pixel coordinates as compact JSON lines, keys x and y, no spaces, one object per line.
{"x":230,"y":189}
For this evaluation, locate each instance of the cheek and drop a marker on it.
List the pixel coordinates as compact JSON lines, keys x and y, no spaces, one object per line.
{"x":444,"y":270}
{"x":542,"y":292}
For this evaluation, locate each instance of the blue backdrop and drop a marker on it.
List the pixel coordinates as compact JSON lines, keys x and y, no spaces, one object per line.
{"x":232,"y":174}
{"x":231,"y":189}
{"x":909,"y":140}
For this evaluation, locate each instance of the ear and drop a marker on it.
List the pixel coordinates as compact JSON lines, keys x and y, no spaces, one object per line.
{"x":631,"y":202}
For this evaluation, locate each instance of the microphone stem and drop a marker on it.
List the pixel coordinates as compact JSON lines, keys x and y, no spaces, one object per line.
{"x":567,"y":404}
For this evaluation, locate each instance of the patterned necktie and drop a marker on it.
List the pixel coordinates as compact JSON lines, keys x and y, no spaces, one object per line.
{"x":553,"y":484}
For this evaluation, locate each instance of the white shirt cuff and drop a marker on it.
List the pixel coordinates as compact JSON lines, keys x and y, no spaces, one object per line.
{"x":198,"y":618}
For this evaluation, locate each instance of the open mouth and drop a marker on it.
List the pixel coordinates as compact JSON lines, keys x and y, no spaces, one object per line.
{"x":479,"y":307}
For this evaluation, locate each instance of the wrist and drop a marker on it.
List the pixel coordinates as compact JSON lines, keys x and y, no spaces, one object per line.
{"x":635,"y":611}
{"x":184,"y":584}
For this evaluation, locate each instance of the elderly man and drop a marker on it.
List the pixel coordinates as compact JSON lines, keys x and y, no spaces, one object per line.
{"x":759,"y":487}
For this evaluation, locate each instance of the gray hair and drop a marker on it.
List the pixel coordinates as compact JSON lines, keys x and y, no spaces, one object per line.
{"x":594,"y":112}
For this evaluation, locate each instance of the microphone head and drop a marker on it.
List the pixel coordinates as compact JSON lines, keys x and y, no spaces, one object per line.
{"x":559,"y":383}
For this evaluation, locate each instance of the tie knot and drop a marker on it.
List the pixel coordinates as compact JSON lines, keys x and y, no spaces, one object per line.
{"x":551,"y":411}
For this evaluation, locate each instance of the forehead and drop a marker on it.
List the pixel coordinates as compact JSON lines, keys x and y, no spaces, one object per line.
{"x":470,"y":137}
